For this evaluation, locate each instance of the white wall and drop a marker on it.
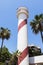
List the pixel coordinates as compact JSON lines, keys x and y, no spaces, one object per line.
{"x":36,"y":59}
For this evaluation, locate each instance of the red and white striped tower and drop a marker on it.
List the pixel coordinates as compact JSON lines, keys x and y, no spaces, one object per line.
{"x":22,"y":43}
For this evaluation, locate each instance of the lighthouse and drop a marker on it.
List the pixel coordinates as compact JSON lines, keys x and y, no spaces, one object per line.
{"x":22,"y":39}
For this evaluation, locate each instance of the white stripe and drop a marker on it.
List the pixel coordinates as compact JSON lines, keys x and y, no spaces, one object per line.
{"x":22,"y":38}
{"x":25,"y":61}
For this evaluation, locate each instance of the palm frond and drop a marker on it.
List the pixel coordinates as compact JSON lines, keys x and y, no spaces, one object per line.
{"x":4,"y":33}
{"x":36,"y":17}
{"x":37,"y":24}
{"x":34,"y":27}
{"x":41,"y":16}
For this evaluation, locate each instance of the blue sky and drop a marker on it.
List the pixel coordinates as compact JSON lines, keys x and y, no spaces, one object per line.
{"x":8,"y":19}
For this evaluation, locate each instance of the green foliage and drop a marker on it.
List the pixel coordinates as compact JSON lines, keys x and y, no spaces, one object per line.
{"x":4,"y":33}
{"x":37,"y":25}
{"x":13,"y":60}
{"x":1,"y":63}
{"x":34,"y":51}
{"x":5,"y":54}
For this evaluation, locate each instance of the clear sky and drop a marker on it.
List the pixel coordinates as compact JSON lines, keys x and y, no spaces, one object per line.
{"x":8,"y":19}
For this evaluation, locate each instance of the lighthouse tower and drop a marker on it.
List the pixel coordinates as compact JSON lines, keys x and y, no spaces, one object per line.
{"x":22,"y":41}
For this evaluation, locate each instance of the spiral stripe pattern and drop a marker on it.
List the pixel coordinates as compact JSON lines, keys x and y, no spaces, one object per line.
{"x":23,"y":55}
{"x":25,"y":51}
{"x":24,"y":22}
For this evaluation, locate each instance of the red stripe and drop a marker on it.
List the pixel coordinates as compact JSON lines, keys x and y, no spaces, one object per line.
{"x":23,"y":55}
{"x":22,"y":24}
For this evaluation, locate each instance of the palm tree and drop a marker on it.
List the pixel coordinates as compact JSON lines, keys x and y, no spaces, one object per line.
{"x":4,"y":34}
{"x":37,"y":25}
{"x":14,"y":58}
